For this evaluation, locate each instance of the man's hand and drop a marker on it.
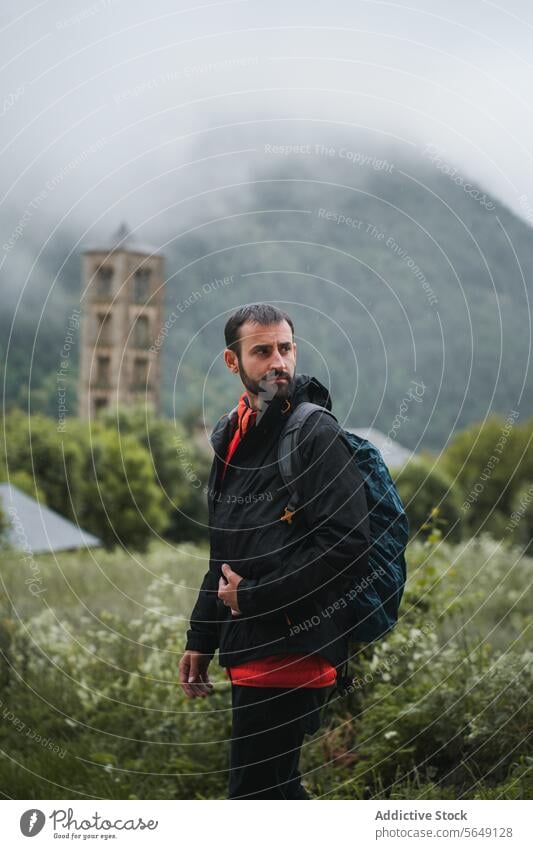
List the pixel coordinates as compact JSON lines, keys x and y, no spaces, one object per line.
{"x":227,"y":590}
{"x":193,"y":674}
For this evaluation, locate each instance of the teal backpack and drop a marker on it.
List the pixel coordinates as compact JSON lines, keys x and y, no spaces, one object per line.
{"x":374,"y":608}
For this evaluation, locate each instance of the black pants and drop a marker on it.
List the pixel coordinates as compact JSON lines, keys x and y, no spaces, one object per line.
{"x":268,"y":728}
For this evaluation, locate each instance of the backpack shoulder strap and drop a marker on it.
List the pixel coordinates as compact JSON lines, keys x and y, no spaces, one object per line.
{"x":289,"y":458}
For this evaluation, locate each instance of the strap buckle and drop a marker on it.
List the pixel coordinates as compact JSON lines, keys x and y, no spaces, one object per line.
{"x":287,"y":515}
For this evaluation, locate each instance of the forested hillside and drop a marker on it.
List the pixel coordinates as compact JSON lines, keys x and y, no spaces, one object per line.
{"x":392,"y":271}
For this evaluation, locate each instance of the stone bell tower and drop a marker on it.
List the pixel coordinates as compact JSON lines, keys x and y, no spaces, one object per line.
{"x":122,"y":313}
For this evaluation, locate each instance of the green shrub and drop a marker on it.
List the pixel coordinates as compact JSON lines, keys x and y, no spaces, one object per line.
{"x":95,"y":475}
{"x":180,"y":467}
{"x":520,"y":523}
{"x":122,"y":502}
{"x":430,"y":499}
{"x":44,"y":462}
{"x":440,"y":709}
{"x":487,"y":463}
{"x":107,"y":692}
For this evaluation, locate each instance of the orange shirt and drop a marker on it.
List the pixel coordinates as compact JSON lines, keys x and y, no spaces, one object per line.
{"x":281,"y":670}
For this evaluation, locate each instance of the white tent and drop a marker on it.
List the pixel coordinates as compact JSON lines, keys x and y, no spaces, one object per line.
{"x":35,"y":528}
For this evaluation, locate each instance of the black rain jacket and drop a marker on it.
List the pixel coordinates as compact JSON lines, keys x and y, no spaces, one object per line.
{"x":296,"y":574}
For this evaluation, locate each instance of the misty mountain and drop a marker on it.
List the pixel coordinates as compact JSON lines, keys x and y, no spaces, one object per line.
{"x":397,"y":275}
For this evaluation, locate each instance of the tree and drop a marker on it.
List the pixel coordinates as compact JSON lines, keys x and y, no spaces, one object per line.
{"x":122,"y":502}
{"x":180,"y":466}
{"x":45,"y":462}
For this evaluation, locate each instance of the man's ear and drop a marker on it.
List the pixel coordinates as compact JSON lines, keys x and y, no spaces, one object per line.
{"x":230,"y":358}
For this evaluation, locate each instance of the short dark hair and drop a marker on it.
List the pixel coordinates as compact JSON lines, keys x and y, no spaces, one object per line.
{"x":263,"y":314}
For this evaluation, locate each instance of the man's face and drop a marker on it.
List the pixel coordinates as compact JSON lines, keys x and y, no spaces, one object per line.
{"x":267,"y":360}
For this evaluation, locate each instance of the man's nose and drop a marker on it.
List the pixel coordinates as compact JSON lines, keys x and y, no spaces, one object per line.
{"x":278,"y":363}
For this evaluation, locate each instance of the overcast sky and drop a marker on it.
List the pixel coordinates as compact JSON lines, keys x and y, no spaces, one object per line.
{"x":105,"y":104}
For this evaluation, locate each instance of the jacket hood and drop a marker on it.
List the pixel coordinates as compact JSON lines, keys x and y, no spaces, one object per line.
{"x":308,"y":388}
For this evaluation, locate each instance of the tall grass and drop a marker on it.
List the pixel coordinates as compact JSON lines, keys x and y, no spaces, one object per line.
{"x":91,"y":706}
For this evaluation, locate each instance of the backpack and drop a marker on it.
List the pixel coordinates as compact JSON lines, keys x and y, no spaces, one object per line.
{"x":374,"y":604}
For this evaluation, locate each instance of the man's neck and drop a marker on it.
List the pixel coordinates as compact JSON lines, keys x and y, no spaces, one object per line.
{"x":253,"y":402}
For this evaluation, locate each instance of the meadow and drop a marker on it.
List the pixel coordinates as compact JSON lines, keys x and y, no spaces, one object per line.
{"x":91,"y":705}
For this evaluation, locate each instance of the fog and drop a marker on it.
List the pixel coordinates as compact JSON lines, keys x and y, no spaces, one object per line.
{"x":113,"y":110}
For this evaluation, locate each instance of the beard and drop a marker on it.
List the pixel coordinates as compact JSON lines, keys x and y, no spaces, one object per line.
{"x":265,"y":391}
